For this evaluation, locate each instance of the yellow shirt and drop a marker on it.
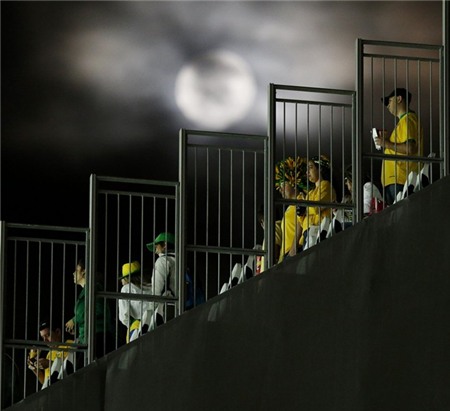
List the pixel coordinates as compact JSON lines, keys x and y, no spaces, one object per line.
{"x":323,"y":192}
{"x":395,"y":171}
{"x":53,"y":355}
{"x":289,"y":228}
{"x":278,"y":241}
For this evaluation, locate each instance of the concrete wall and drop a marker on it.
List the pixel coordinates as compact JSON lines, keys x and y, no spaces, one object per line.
{"x":359,"y":322}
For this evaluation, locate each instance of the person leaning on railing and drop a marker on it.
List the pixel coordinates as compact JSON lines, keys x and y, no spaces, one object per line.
{"x":103,"y":340}
{"x":405,"y":139}
{"x":319,"y":174}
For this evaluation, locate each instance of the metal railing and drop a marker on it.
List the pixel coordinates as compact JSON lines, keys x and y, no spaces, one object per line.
{"x":223,"y":181}
{"x":383,"y":67}
{"x":37,"y":285}
{"x":309,"y":123}
{"x":125,"y":216}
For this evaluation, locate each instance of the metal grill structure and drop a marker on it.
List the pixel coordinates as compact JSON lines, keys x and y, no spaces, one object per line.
{"x":386,"y":66}
{"x":223,"y":181}
{"x":36,"y":285}
{"x":125,"y":216}
{"x":312,"y":122}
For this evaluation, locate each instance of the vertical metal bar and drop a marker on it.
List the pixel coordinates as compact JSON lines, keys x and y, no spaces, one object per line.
{"x":2,"y":299}
{"x":444,"y":81}
{"x":39,"y":287}
{"x":269,"y":178}
{"x":231,"y":206}
{"x":90,"y":270}
{"x":179,"y":268}
{"x":207,"y":198}
{"x":358,"y":121}
{"x":243,"y":201}
{"x":219,"y":223}
{"x":255,"y":197}
{"x":52,"y":256}
{"x":63,"y":290}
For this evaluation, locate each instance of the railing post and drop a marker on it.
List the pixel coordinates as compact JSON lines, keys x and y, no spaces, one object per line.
{"x":2,"y":299}
{"x":269,"y":206}
{"x":446,"y":82}
{"x":90,"y":270}
{"x":182,"y":216}
{"x":357,"y":143}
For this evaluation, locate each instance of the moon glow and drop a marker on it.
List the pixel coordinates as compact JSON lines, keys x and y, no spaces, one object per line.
{"x":215,"y":90}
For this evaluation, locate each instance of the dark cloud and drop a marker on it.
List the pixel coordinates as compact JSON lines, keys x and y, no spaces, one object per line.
{"x":88,"y":87}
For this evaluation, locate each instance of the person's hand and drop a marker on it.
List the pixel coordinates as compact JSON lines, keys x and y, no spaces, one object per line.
{"x":292,"y":252}
{"x":42,"y":363}
{"x":31,"y":362}
{"x":380,"y":140}
{"x":70,"y":327}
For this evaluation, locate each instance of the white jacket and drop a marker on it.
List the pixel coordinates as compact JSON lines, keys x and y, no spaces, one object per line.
{"x":133,"y":308}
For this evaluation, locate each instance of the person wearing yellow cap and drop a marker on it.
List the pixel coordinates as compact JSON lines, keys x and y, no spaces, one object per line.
{"x":164,"y":277}
{"x":131,"y":312}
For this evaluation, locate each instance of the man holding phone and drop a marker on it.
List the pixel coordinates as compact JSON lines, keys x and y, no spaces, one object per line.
{"x":405,"y":140}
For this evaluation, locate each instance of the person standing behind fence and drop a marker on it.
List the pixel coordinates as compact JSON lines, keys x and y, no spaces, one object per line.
{"x":164,"y":278}
{"x":290,"y":181}
{"x":319,"y":173}
{"x":405,"y":139}
{"x":58,"y":363}
{"x":131,"y":312}
{"x":103,"y":341}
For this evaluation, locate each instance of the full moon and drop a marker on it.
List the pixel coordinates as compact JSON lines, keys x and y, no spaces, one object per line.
{"x":215,"y":90}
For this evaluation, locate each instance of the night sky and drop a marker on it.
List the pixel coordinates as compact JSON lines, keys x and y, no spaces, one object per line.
{"x":104,"y":87}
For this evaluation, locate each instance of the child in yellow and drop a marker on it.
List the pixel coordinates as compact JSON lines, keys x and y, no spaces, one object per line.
{"x":319,"y":175}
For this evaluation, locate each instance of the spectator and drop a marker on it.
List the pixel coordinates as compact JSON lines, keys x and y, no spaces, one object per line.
{"x":103,"y":341}
{"x":372,"y":198}
{"x":164,"y":278}
{"x":131,"y":312}
{"x":57,"y":364}
{"x":290,"y":181}
{"x":405,"y":140}
{"x":319,"y":174}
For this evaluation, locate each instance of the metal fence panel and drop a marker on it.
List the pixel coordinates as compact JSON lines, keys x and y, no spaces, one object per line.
{"x":126,"y":215}
{"x":37,"y":285}
{"x":223,"y":178}
{"x":386,"y":66}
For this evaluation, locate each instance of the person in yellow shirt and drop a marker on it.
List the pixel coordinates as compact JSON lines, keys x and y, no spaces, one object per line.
{"x":290,"y":181}
{"x":319,"y":174}
{"x":405,"y":140}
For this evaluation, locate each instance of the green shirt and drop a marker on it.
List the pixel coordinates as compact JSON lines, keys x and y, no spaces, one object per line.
{"x":102,"y":315}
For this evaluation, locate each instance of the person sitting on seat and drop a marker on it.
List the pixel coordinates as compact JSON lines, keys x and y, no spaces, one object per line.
{"x":372,"y":198}
{"x":319,"y":174}
{"x":131,"y":312}
{"x":58,"y":363}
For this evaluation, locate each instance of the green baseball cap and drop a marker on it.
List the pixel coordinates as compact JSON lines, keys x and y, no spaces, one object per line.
{"x":162,"y":238}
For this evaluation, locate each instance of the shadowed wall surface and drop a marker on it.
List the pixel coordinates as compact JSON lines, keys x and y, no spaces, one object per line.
{"x":359,"y":322}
